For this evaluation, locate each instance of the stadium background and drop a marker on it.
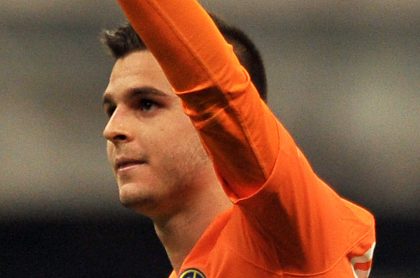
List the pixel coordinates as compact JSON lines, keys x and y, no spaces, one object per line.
{"x":343,"y":77}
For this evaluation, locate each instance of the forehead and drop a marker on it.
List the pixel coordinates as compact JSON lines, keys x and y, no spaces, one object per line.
{"x":137,"y":69}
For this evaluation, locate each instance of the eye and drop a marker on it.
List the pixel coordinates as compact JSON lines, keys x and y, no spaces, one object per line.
{"x":109,"y":110}
{"x":146,"y":104}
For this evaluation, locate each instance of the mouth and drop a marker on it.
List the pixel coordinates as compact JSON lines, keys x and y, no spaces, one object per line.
{"x":125,"y":164}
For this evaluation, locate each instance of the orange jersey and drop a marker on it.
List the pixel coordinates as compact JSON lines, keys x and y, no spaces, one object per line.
{"x":285,"y":222}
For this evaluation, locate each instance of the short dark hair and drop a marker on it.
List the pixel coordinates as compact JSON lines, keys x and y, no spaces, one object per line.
{"x":125,"y":40}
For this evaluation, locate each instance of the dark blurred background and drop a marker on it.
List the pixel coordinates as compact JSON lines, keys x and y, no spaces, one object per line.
{"x":343,"y":77}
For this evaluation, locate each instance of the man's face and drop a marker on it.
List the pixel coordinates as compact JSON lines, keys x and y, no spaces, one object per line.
{"x":156,"y":154}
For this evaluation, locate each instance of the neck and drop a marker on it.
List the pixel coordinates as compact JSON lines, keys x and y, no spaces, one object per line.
{"x":180,"y":232}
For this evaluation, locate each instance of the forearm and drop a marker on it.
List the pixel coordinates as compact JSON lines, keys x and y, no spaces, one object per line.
{"x":238,"y":129}
{"x":186,"y":43}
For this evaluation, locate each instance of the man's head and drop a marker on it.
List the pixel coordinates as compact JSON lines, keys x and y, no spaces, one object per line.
{"x":158,"y":159}
{"x":125,"y":40}
{"x":159,"y":162}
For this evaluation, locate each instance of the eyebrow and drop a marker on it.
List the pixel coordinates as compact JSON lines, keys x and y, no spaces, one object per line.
{"x":133,"y":93}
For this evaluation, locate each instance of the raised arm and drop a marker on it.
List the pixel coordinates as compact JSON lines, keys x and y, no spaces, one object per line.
{"x":238,"y":129}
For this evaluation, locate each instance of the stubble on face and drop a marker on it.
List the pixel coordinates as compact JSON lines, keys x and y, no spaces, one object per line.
{"x":174,"y":158}
{"x":167,"y":182}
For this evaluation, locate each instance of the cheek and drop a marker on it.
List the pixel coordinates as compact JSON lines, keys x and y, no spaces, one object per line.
{"x":186,"y":150}
{"x":174,"y":142}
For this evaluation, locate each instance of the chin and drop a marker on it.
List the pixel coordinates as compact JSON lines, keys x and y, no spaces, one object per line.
{"x":136,"y":201}
{"x":128,"y":198}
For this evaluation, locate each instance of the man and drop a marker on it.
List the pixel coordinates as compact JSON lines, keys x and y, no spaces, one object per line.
{"x":229,"y":192}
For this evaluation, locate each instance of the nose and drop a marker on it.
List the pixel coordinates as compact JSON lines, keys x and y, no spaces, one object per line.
{"x":116,"y":129}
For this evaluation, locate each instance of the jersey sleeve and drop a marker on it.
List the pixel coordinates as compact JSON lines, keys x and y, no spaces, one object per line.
{"x":216,"y":91}
{"x":260,"y":166}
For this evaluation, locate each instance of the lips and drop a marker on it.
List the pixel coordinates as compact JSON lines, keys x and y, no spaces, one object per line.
{"x":126,"y":163}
